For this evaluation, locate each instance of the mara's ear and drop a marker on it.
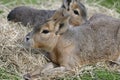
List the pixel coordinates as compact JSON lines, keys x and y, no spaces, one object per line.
{"x":62,"y":25}
{"x":60,"y":13}
{"x":66,"y":4}
{"x":60,"y":21}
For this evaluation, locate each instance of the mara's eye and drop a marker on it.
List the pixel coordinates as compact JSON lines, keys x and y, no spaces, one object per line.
{"x":45,"y":31}
{"x":76,"y":12}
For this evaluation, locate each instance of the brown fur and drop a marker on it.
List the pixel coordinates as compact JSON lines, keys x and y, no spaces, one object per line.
{"x":95,"y":41}
{"x":31,"y":16}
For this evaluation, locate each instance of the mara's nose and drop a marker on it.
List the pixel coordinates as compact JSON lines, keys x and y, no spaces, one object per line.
{"x":27,"y":38}
{"x":27,"y":41}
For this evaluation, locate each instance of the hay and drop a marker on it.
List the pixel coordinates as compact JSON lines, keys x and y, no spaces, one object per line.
{"x":13,"y":56}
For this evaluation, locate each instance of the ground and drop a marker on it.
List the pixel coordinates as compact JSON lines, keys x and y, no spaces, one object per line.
{"x":15,"y":60}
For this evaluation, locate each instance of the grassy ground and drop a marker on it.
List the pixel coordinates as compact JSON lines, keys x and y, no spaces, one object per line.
{"x":97,"y":74}
{"x":6,"y":75}
{"x":16,"y":61}
{"x":113,"y":4}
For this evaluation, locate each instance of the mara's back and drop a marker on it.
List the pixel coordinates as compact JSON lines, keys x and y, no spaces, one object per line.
{"x":96,"y":40}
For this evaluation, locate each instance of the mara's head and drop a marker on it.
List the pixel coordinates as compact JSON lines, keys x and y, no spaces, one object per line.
{"x":76,"y":10}
{"x":47,"y":35}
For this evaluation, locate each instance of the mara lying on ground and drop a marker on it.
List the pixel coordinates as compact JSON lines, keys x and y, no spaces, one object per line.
{"x":97,"y":40}
{"x":31,"y":16}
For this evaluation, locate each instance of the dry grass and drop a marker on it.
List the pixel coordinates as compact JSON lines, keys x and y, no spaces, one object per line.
{"x":13,"y":56}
